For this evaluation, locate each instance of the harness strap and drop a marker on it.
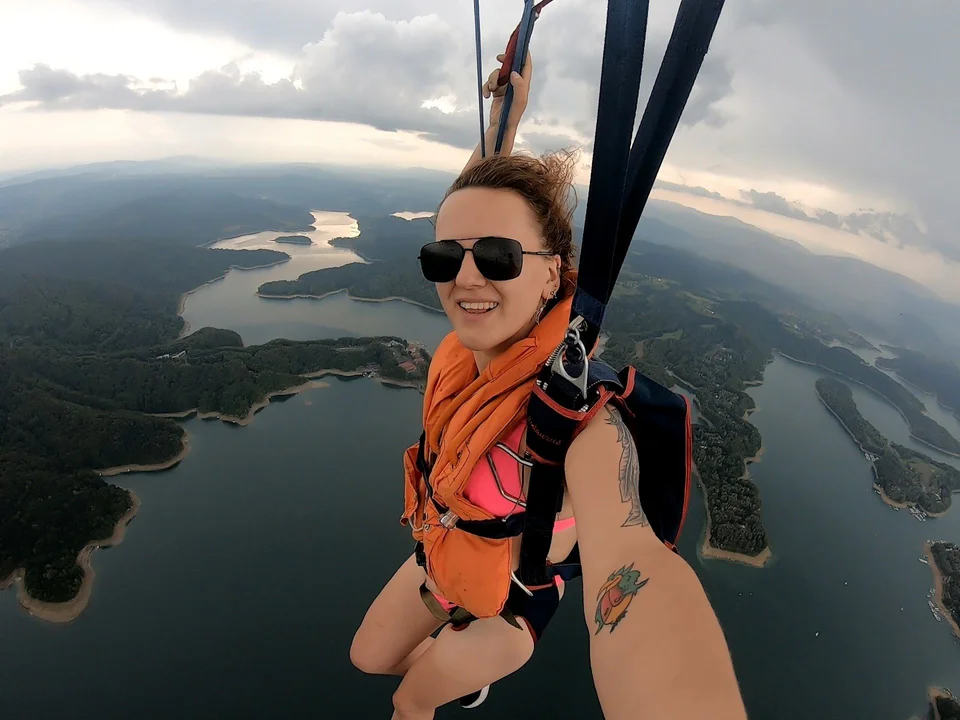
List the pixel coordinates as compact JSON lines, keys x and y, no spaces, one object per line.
{"x":619,"y":90}
{"x":692,"y":33}
{"x":458,"y":617}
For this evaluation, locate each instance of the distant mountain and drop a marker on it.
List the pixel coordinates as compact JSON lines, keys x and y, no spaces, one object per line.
{"x":876,"y":300}
{"x":190,"y":202}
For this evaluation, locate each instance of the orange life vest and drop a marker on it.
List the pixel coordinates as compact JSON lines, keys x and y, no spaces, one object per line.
{"x":464,"y":414}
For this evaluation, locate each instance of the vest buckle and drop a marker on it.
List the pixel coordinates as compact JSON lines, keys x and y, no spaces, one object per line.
{"x":449,"y":519}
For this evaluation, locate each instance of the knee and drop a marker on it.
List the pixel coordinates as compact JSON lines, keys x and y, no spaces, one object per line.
{"x":366,"y":657}
{"x":405,"y":705}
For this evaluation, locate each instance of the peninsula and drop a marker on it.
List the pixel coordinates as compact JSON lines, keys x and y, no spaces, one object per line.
{"x":92,"y":375}
{"x":944,"y":560}
{"x":904,"y":476}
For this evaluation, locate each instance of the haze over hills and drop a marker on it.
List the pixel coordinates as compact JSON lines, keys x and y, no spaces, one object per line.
{"x":196,"y":201}
{"x":875,"y":300}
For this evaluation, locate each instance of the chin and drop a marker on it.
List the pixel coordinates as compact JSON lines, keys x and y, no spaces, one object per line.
{"x":478,"y":341}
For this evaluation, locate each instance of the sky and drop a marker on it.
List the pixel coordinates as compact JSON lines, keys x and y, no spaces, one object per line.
{"x":832,"y":123}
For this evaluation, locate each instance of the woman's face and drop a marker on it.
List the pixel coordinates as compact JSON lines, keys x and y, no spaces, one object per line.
{"x":508,"y":307}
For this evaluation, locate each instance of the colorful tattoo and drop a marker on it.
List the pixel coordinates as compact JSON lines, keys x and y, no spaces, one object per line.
{"x":629,"y":472}
{"x":616,"y":595}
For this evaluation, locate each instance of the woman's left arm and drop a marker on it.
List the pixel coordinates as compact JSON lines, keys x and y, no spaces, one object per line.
{"x":656,"y":646}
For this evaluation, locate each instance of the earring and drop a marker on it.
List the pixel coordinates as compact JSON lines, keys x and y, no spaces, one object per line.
{"x":539,"y":314}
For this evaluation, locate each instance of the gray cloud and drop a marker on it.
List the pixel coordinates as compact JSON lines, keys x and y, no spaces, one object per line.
{"x":328,"y":83}
{"x":375,"y":63}
{"x":887,"y":227}
{"x":689,"y":189}
{"x":857,"y":95}
{"x":771,"y":202}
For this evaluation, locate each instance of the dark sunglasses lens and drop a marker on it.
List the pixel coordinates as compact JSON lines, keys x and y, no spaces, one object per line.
{"x":498,"y":258}
{"x":440,"y":261}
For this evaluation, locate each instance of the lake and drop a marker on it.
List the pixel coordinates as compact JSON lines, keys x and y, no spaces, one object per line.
{"x":232,"y":302}
{"x":243,"y":577}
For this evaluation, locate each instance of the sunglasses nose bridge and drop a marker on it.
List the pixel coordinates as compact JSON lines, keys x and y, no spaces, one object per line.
{"x":468,"y":275}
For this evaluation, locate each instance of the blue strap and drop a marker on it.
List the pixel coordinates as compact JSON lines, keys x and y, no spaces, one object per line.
{"x":692,"y":33}
{"x":616,"y":113}
{"x":483,"y":125}
{"x":622,"y":176}
{"x":523,"y":43}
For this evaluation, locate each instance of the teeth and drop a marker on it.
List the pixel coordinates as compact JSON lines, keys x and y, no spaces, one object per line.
{"x":478,"y":305}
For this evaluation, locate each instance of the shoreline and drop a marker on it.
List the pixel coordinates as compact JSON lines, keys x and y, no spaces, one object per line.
{"x":181,"y":304}
{"x":155,"y":467}
{"x":873,"y":467}
{"x":929,"y":393}
{"x":933,"y":693}
{"x":878,"y":394}
{"x":71,"y":609}
{"x":938,"y":585}
{"x":246,"y":419}
{"x":707,"y":551}
{"x":312,"y":384}
{"x":305,"y":296}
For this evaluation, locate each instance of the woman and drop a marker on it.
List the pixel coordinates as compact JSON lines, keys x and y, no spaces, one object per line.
{"x":502,"y":264}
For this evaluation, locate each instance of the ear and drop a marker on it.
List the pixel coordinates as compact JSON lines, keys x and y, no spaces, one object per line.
{"x":553,"y":277}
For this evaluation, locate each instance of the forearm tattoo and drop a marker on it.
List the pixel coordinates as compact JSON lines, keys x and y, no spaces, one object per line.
{"x":615,"y":597}
{"x":629,"y":472}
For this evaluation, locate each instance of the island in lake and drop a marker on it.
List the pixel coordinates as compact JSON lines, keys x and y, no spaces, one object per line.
{"x":92,"y":373}
{"x":944,"y":561}
{"x":904,"y":476}
{"x":293,"y":240}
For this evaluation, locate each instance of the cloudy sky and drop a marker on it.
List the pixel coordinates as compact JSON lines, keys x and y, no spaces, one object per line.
{"x":831,"y":122}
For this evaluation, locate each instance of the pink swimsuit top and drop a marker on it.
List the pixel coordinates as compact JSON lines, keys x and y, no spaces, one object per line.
{"x":506,"y":496}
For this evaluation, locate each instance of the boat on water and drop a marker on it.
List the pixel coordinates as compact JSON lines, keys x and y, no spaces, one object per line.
{"x":923,"y":560}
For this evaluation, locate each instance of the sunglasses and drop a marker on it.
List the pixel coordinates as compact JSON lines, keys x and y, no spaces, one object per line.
{"x":496,"y":258}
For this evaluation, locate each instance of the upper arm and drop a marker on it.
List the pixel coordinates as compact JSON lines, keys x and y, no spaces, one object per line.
{"x":652,"y":627}
{"x":602,"y":471}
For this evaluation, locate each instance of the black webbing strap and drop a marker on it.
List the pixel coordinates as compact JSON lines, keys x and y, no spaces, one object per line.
{"x":621,"y":180}
{"x":692,"y":33}
{"x":549,"y":434}
{"x":616,"y":113}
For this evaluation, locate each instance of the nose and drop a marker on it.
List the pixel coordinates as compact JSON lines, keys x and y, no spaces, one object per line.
{"x":469,"y":276}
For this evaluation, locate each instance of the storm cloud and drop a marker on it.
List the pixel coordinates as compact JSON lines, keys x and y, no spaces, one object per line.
{"x":413,"y":74}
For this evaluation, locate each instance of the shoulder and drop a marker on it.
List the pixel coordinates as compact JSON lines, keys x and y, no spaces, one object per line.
{"x":605,"y":433}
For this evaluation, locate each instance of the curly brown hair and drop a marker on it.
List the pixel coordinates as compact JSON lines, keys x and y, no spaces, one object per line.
{"x":546,"y":183}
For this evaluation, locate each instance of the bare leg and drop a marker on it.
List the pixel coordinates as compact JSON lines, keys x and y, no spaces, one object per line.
{"x":396,"y":629}
{"x":459,"y":663}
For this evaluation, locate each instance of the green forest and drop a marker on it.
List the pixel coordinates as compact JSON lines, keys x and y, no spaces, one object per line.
{"x":905,"y":475}
{"x":938,"y":377}
{"x":389,"y":245}
{"x":947,"y":557}
{"x":680,"y":320}
{"x":90,"y":353}
{"x":838,"y":397}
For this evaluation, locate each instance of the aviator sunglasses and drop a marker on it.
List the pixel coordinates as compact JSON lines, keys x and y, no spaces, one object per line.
{"x":496,"y":258}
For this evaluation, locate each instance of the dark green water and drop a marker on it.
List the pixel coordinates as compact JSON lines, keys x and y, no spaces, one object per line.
{"x":241,"y":580}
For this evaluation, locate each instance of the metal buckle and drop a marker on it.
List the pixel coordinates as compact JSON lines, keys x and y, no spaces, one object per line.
{"x":449,"y":519}
{"x":572,"y":339}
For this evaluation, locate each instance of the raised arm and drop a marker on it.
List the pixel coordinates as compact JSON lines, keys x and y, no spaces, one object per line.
{"x":656,"y":647}
{"x":521,"y":95}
